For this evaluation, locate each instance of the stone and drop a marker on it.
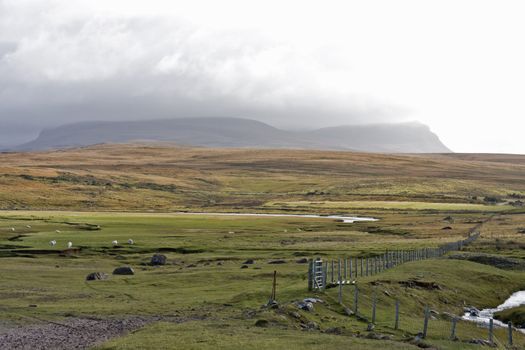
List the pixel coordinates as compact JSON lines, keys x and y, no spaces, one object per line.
{"x":244,"y":266}
{"x":97,"y":276}
{"x":313,"y":300}
{"x":480,"y":342}
{"x":158,"y":259}
{"x":261,"y":323}
{"x":312,"y":325}
{"x":370,"y":327}
{"x":472,"y":311}
{"x":302,"y":261}
{"x":124,"y":270}
{"x":348,"y":312}
{"x":249,"y":262}
{"x":295,"y":315}
{"x":306,"y":306}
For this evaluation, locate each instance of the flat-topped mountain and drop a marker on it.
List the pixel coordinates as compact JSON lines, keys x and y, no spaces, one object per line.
{"x":239,"y":132}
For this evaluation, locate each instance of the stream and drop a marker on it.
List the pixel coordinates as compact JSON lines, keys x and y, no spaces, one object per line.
{"x":483,"y":316}
{"x":345,"y":219}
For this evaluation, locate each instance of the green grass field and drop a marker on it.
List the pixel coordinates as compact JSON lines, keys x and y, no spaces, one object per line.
{"x":202,"y":298}
{"x":204,"y":279}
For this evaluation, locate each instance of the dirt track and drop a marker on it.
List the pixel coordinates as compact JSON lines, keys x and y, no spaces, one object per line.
{"x":77,"y":333}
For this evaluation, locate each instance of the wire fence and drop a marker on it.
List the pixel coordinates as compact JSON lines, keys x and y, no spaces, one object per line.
{"x":378,"y":309}
{"x":381,"y":310}
{"x":347,"y":270}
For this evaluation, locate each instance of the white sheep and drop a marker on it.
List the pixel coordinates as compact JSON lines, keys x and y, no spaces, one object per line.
{"x":231,"y":232}
{"x":69,"y":244}
{"x":13,"y":229}
{"x":53,"y":242}
{"x":130,"y":241}
{"x":115,"y":243}
{"x":28,"y":226}
{"x":57,"y":231}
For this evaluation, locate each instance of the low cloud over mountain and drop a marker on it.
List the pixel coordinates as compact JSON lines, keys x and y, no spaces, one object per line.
{"x":237,"y":132}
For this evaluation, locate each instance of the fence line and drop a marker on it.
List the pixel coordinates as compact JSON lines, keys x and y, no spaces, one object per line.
{"x":347,"y":270}
{"x":318,"y":270}
{"x":377,"y":309}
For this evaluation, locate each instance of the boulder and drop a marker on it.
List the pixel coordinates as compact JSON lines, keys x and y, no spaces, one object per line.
{"x":124,"y":270}
{"x":97,"y":276}
{"x":305,"y":306}
{"x":249,"y":262}
{"x":261,"y":323}
{"x":158,"y":259}
{"x":302,"y":261}
{"x":312,"y":300}
{"x":348,"y":312}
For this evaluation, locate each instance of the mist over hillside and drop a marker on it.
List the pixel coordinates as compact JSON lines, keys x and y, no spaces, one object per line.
{"x":238,"y":132}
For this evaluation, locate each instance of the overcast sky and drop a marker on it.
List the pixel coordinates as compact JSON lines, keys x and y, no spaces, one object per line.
{"x":458,"y":66}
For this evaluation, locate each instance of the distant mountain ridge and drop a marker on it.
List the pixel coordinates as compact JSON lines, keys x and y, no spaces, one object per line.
{"x":410,"y":137}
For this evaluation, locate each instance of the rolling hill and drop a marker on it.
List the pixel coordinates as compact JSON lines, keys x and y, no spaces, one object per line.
{"x":167,"y":177}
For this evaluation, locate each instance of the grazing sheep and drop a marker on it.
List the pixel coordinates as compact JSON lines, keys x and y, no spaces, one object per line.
{"x":53,"y":242}
{"x":130,"y":241}
{"x":28,"y":226}
{"x":13,"y":229}
{"x":115,"y":243}
{"x":57,"y":231}
{"x":231,"y":232}
{"x":69,"y":244}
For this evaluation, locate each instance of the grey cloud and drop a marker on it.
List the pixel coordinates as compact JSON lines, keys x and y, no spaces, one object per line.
{"x":94,"y":68}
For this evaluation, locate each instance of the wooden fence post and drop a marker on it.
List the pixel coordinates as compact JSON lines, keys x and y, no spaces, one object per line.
{"x":361,"y":260}
{"x":345,"y":269}
{"x":340,"y":290}
{"x":351,"y":275}
{"x":310,"y":275}
{"x":356,"y":299}
{"x":453,"y":330}
{"x":332,"y":279}
{"x":374,"y":304}
{"x":425,"y":324}
{"x":339,"y":270}
{"x":325,"y":275}
{"x":491,"y":331}
{"x":396,"y":325}
{"x":510,"y":334}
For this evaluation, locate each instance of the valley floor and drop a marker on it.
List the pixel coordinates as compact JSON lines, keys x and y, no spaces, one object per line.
{"x":203,"y":298}
{"x":219,"y":269}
